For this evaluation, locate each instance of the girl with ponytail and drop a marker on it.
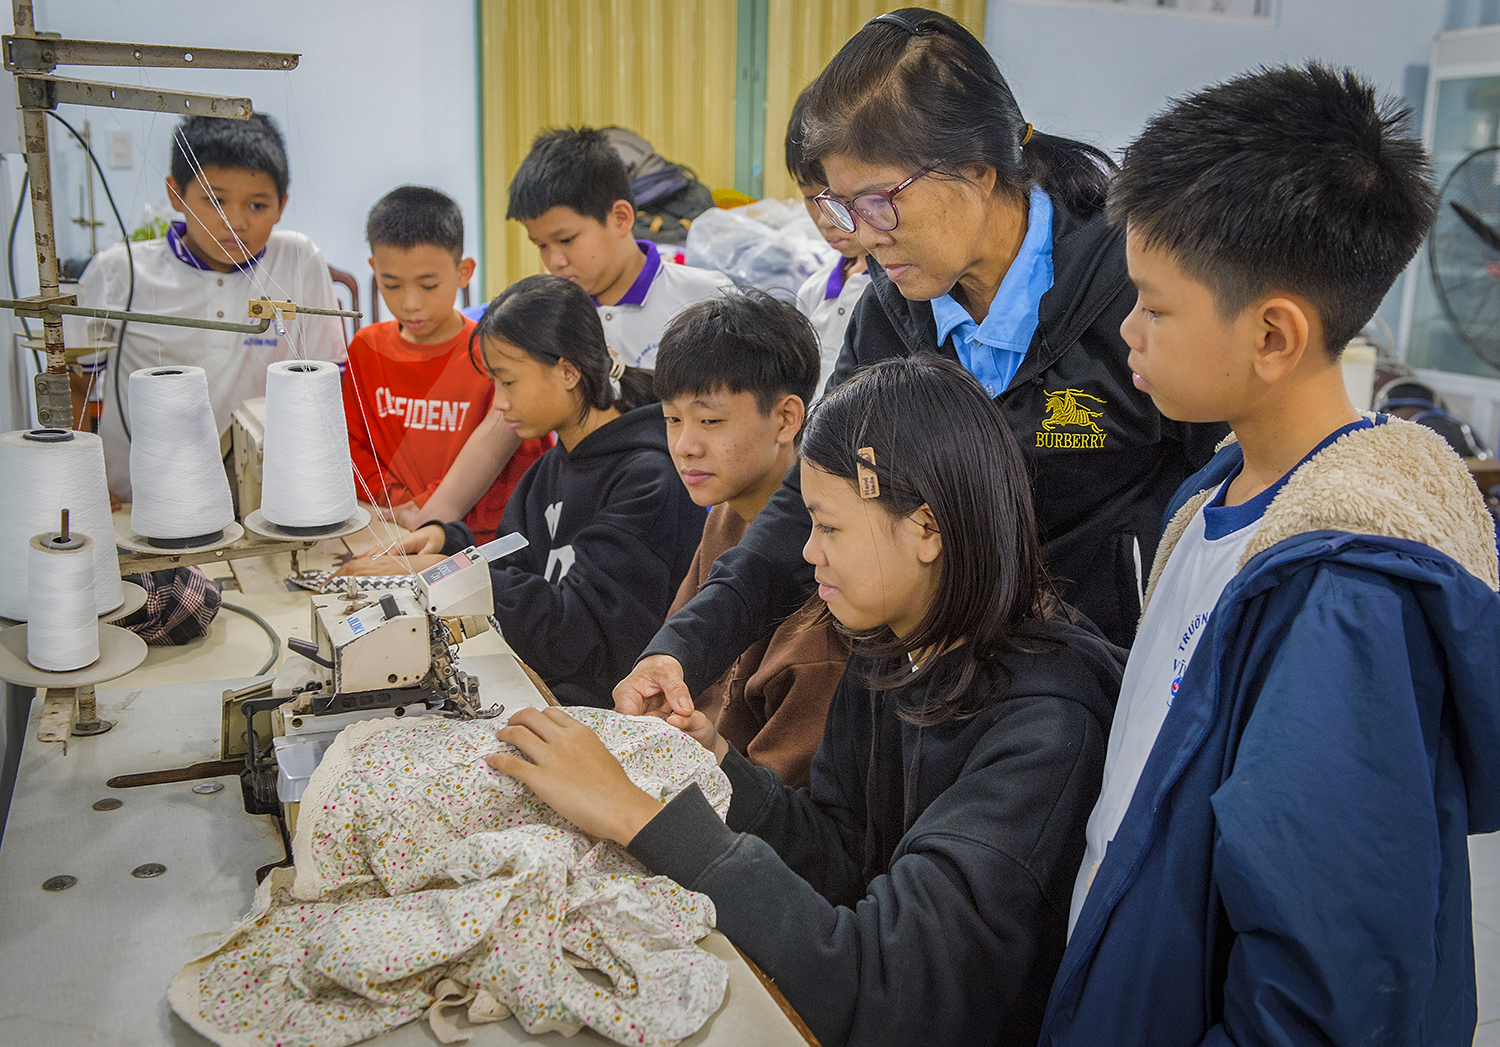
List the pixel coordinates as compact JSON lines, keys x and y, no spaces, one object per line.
{"x":611,"y":528}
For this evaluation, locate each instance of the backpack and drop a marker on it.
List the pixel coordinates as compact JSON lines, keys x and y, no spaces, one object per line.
{"x":668,"y":196}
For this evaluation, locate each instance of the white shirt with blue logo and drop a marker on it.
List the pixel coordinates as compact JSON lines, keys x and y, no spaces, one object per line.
{"x":1197,"y":572}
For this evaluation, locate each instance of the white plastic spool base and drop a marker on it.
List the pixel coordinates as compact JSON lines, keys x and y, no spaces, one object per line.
{"x":258,"y":523}
{"x":233,"y":532}
{"x":120,"y":651}
{"x":135,"y":599}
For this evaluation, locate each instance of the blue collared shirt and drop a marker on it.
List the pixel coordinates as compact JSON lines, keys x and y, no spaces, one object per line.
{"x":992,"y":351}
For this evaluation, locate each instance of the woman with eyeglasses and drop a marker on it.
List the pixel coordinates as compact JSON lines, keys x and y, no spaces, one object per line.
{"x":988,"y":245}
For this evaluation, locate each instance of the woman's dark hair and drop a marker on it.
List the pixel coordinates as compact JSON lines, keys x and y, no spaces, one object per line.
{"x":554,"y":319}
{"x":915,"y":87}
{"x":940,"y":441}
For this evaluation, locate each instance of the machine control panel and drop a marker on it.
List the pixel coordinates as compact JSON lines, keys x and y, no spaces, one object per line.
{"x":461,"y":584}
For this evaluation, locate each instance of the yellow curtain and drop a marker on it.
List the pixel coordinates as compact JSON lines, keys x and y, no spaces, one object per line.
{"x":802,"y":36}
{"x":663,"y":68}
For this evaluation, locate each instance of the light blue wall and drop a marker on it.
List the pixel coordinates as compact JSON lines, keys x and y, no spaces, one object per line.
{"x":1097,"y":75}
{"x":385,"y":94}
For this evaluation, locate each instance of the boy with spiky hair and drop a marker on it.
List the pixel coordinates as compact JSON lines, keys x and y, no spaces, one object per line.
{"x":735,"y":375}
{"x":229,"y":180}
{"x":572,"y":193}
{"x":1308,"y":726}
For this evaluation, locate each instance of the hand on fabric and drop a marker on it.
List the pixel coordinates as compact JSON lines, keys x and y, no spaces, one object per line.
{"x":388,"y":564}
{"x":655,"y":687}
{"x":702,"y":730}
{"x":427,"y":539}
{"x":572,"y":771}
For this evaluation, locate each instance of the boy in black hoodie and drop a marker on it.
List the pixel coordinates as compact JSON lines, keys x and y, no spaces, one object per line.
{"x":611,"y":528}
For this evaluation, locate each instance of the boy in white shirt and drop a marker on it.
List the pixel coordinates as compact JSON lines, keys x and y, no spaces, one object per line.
{"x":572,"y":194}
{"x":229,"y":181}
{"x":828,"y":296}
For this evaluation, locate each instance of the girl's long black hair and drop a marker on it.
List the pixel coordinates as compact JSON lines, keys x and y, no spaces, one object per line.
{"x":915,"y":88}
{"x":553,"y":319}
{"x":940,"y":441}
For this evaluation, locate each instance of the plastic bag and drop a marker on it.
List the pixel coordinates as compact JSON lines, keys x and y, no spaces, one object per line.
{"x":770,"y":244}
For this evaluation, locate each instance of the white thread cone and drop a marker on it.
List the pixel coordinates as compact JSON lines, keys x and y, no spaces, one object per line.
{"x":63,"y":632}
{"x":307,"y":477}
{"x":177,"y":478}
{"x":39,"y":479}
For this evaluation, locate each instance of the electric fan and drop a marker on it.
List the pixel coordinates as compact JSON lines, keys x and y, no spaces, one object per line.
{"x":1463,"y":253}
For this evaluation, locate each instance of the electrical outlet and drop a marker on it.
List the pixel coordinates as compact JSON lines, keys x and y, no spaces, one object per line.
{"x":120,"y":151}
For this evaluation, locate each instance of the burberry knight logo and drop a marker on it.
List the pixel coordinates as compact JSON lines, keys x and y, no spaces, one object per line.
{"x":1066,"y":411}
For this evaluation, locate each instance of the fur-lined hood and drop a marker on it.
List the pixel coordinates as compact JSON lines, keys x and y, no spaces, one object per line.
{"x":1394,"y":480}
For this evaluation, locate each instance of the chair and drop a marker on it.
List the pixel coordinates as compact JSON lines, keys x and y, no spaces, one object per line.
{"x":339,"y":276}
{"x":375,"y":299}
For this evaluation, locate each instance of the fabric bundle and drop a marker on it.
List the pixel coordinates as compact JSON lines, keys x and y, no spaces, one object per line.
{"x":423,"y":874}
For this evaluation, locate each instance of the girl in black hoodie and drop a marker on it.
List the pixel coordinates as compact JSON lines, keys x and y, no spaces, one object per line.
{"x":611,"y":528}
{"x":918,"y":890}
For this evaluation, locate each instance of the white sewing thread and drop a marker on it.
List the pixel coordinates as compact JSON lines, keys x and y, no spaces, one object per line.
{"x":307,"y":477}
{"x":38,"y":480}
{"x":176,"y":475}
{"x":63,"y":632}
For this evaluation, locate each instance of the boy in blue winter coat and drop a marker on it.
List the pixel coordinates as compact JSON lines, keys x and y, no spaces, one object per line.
{"x":1308,"y":728}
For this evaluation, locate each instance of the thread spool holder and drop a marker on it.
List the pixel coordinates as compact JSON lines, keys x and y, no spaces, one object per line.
{"x":68,"y":708}
{"x":246,"y":545}
{"x":32,"y":57}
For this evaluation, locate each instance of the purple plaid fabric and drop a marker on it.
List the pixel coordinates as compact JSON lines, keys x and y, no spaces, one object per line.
{"x":181,"y":603}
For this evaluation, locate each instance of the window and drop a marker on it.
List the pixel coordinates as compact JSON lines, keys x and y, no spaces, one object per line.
{"x":1245,"y":12}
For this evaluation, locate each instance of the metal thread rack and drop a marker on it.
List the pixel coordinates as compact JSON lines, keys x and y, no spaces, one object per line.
{"x":32,"y":57}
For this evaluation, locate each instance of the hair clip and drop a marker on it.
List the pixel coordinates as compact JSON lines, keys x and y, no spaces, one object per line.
{"x":616,"y":372}
{"x":869,"y":483}
{"x":1027,"y":136}
{"x":905,"y":21}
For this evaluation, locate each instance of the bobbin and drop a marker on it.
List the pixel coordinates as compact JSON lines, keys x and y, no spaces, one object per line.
{"x":75,"y":614}
{"x":135,"y":599}
{"x":138,"y":543}
{"x":68,"y":707}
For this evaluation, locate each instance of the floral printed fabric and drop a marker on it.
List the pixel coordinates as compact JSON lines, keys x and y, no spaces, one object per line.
{"x":416,"y":861}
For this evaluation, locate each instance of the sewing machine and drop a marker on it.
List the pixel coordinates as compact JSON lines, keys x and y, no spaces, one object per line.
{"x":390,"y":651}
{"x":136,"y":852}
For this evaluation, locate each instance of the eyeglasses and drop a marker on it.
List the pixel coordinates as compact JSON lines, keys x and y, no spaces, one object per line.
{"x":877,"y":208}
